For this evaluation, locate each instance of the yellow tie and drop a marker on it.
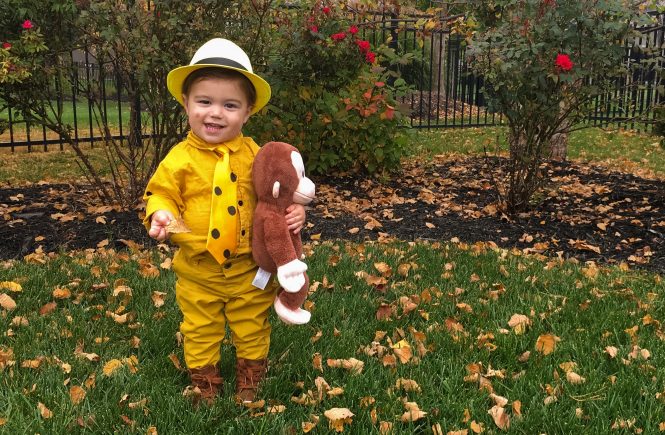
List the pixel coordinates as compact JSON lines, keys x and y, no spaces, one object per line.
{"x":223,"y":212}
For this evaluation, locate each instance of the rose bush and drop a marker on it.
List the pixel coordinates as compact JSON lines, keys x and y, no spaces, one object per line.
{"x":543,"y":61}
{"x":329,"y":93}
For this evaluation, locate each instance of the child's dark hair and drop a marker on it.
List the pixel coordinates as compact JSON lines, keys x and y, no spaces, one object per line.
{"x":221,"y":73}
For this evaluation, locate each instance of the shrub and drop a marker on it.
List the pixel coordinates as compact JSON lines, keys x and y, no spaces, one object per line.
{"x":543,"y":62}
{"x":330,"y":96}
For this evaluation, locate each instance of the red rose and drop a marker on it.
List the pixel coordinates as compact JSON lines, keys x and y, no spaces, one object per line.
{"x":563,"y":61}
{"x":370,"y":57}
{"x":363,"y":46}
{"x":338,"y":36}
{"x":326,"y":10}
{"x":6,"y":45}
{"x":353,"y":30}
{"x":314,"y":29}
{"x":27,"y":24}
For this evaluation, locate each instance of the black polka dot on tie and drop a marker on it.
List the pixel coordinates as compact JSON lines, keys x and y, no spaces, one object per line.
{"x":215,"y":233}
{"x":232,"y":210}
{"x":233,"y":177}
{"x":227,"y":266}
{"x":148,"y":193}
{"x":218,"y":191}
{"x":227,"y":253}
{"x":240,"y":203}
{"x":243,"y":232}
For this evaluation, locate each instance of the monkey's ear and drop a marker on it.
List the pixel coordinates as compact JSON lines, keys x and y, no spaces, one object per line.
{"x":275,"y":190}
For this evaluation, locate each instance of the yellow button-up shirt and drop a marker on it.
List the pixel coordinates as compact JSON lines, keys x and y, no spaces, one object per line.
{"x":182,"y":184}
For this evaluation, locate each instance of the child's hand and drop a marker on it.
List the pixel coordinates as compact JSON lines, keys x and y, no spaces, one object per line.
{"x":295,"y":217}
{"x":160,"y":219}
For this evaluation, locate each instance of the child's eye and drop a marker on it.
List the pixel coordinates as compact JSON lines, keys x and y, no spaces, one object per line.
{"x":204,"y":102}
{"x":231,"y":105}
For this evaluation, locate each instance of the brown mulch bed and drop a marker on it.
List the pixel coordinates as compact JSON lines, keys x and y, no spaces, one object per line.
{"x":590,"y":213}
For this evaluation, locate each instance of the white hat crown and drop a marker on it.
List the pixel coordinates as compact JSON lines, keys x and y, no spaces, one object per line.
{"x":222,"y":52}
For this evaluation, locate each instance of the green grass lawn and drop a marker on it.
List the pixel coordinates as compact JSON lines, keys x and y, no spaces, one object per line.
{"x":614,"y":147}
{"x":99,"y":358}
{"x":450,"y":330}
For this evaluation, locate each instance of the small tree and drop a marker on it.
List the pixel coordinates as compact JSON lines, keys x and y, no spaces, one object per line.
{"x":543,"y":62}
{"x":136,"y":43}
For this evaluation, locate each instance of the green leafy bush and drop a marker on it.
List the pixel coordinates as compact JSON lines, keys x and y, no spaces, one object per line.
{"x":330,"y":96}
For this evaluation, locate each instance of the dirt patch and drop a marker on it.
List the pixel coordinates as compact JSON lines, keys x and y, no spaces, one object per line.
{"x":589,"y":213}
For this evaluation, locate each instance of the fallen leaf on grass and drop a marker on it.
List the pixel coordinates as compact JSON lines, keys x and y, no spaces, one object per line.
{"x":308,"y":426}
{"x":413,"y":412}
{"x":501,"y":419}
{"x":44,"y":411}
{"x":158,"y":298}
{"x":47,"y":308}
{"x":176,"y":362}
{"x":11,"y":286}
{"x":338,"y":417}
{"x":62,"y":293}
{"x":7,"y":302}
{"x":519,"y":323}
{"x":546,"y":343}
{"x":76,"y":394}
{"x":408,"y":385}
{"x":355,"y":366}
{"x":574,"y":378}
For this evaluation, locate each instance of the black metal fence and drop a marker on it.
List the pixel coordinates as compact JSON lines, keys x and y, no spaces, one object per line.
{"x":445,"y":94}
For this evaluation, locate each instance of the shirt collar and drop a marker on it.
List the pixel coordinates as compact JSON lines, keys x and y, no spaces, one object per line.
{"x":233,"y":145}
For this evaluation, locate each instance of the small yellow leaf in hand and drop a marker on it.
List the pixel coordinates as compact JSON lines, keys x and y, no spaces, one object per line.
{"x":177,"y":226}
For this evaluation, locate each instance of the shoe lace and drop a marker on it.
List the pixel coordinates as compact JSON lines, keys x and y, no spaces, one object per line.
{"x":248,"y":375}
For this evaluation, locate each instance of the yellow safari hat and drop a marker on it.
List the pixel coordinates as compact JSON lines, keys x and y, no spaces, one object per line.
{"x":220,"y":53}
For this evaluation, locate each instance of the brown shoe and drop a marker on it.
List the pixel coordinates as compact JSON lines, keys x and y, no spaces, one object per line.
{"x":208,"y":381}
{"x":249,"y":373}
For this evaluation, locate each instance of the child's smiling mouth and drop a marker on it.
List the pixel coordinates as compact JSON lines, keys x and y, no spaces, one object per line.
{"x":213,"y":127}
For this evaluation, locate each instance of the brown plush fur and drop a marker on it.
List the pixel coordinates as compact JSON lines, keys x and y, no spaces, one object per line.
{"x":273,"y":245}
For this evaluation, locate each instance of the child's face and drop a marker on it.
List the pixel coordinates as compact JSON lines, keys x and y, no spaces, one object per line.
{"x":217,"y":109}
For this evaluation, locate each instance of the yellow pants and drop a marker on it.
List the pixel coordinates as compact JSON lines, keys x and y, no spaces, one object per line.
{"x":209,"y":300}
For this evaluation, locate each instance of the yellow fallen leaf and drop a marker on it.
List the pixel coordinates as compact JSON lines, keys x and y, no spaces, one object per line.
{"x":44,"y":411}
{"x":574,"y":378}
{"x":477,"y":427}
{"x":11,"y":286}
{"x":546,"y":343}
{"x":76,"y":394}
{"x":408,"y":385}
{"x":412,"y":415}
{"x":62,"y":293}
{"x":158,"y":298}
{"x":355,"y":366}
{"x":111,"y":366}
{"x":519,"y":323}
{"x":501,"y":419}
{"x":317,"y":362}
{"x":7,"y":302}
{"x":337,"y":417}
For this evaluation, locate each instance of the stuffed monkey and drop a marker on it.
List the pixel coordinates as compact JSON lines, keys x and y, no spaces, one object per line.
{"x":279,"y":180}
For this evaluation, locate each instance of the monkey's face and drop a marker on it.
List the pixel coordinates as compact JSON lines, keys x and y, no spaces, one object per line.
{"x":306,"y":190}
